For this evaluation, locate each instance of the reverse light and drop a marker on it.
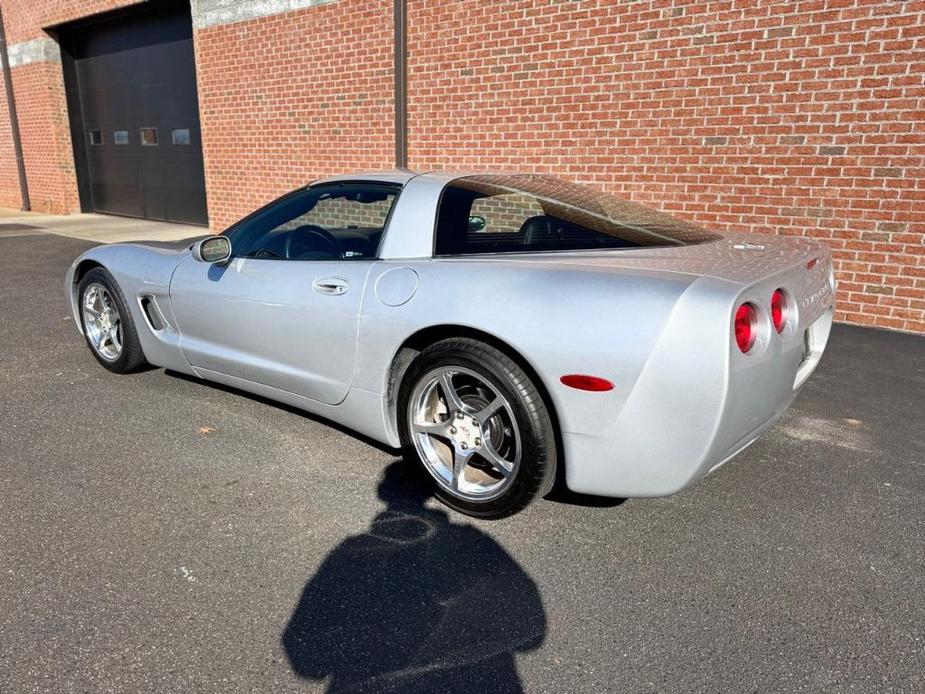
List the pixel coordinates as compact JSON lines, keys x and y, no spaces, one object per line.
{"x":745,"y":326}
{"x":593,"y":384}
{"x":778,"y":306}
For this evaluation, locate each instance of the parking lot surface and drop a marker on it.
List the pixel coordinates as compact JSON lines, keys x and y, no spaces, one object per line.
{"x":158,"y":534}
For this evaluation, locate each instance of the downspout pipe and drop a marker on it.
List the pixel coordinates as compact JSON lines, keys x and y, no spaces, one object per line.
{"x":400,"y":14}
{"x":14,"y":119}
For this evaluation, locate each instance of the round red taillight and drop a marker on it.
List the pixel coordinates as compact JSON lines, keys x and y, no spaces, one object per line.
{"x":778,"y":306}
{"x":745,"y":324}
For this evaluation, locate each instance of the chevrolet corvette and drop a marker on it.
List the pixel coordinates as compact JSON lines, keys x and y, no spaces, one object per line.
{"x":506,"y":331}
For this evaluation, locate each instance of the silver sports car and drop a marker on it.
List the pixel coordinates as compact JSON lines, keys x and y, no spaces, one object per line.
{"x":505,"y":330}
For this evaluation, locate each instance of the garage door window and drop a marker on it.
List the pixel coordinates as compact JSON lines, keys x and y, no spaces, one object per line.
{"x":149,"y":137}
{"x":179,"y":136}
{"x":96,"y":137}
{"x":120,"y":137}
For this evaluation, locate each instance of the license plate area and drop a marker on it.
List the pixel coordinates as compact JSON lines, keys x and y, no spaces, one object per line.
{"x":815,"y":338}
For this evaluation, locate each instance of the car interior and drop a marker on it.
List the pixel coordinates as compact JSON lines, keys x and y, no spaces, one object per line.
{"x":314,"y":242}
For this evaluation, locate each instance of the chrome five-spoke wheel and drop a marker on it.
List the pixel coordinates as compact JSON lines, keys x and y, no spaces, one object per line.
{"x":107,"y":322}
{"x":465,"y":432}
{"x":476,"y":422}
{"x":102,"y":322}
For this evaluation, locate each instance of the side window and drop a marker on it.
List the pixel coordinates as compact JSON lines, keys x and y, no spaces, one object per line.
{"x":339,"y":214}
{"x":503,"y":214}
{"x":471,"y":222}
{"x":328,"y":222}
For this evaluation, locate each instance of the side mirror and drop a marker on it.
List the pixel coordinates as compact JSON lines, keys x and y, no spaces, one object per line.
{"x":476,"y":223}
{"x":215,"y":249}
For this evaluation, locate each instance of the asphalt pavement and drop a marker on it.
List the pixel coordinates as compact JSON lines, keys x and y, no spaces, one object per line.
{"x":158,"y":534}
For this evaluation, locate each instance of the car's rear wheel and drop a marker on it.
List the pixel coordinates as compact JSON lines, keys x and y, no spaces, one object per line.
{"x":480,"y":428}
{"x":107,"y":323}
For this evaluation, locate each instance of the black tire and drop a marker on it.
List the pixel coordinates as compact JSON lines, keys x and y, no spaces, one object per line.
{"x":132,"y":357}
{"x":536,"y":472}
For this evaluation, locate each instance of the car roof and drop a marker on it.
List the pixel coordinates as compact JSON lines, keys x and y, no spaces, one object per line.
{"x":398,"y":176}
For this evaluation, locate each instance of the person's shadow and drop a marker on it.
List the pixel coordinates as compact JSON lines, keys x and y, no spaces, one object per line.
{"x":415,"y":604}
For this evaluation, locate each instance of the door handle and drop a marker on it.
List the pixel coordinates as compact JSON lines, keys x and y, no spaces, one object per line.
{"x":334,"y":286}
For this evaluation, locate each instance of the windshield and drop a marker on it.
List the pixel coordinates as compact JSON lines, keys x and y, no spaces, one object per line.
{"x":530,"y":213}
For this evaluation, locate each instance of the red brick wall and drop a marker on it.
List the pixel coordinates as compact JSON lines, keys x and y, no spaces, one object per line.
{"x":9,"y":181}
{"x":288,"y":98}
{"x":802,"y":118}
{"x":46,"y":139}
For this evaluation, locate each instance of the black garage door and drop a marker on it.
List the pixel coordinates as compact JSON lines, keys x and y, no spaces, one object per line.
{"x":131,"y":86}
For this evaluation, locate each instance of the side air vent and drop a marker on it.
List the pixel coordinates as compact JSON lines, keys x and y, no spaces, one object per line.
{"x":152,"y":313}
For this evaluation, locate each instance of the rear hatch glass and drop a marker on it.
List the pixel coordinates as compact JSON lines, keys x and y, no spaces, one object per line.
{"x":531,"y":213}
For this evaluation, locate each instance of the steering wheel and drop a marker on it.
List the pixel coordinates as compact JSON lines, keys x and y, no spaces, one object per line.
{"x":291,"y":249}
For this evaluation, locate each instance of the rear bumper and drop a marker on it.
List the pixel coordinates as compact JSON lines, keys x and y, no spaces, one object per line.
{"x":680,"y":424}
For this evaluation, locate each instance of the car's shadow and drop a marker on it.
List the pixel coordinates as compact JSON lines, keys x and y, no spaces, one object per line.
{"x":562,"y":495}
{"x":417,"y":603}
{"x":286,"y":408}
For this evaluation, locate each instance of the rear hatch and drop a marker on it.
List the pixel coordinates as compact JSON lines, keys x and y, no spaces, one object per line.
{"x":803,"y":268}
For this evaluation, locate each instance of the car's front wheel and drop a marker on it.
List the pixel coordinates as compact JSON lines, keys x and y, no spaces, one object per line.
{"x":107,"y":323}
{"x":480,"y":428}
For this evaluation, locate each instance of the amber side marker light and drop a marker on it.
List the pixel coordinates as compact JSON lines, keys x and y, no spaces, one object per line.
{"x":593,"y":384}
